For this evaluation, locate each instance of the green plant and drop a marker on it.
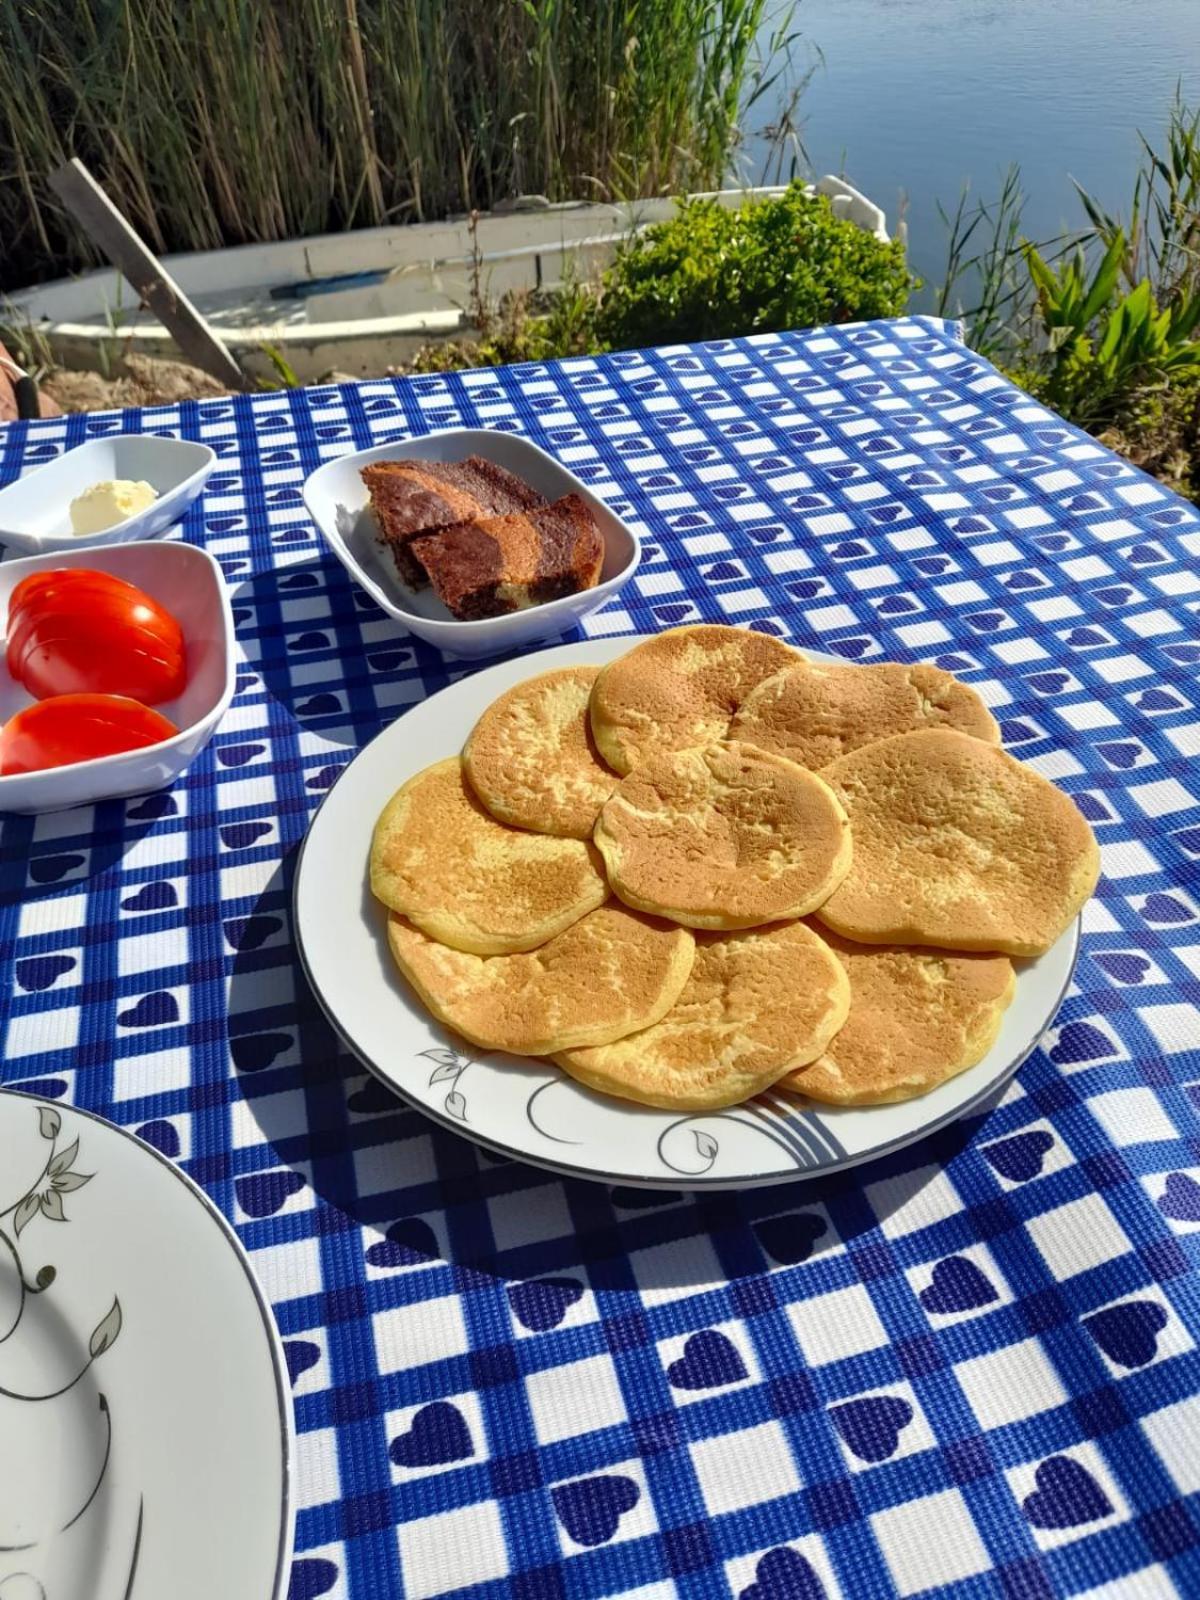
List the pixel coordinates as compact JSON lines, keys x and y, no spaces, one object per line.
{"x":715,"y":271}
{"x":214,"y":122}
{"x":285,"y":374}
{"x":1104,"y":348}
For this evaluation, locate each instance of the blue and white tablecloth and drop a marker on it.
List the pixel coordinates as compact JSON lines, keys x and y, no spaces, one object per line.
{"x":970,"y":1369}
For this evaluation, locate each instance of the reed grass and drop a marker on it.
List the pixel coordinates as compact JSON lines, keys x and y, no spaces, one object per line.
{"x":218,"y":122}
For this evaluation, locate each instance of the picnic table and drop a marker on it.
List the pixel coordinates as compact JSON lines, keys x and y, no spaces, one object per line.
{"x":970,"y":1368}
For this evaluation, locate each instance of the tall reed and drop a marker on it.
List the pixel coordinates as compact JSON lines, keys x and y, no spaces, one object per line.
{"x":221,"y":121}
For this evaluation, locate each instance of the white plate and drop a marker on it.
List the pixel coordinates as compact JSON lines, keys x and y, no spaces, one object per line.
{"x":35,"y":511}
{"x":145,"y":1410}
{"x":529,"y":1108}
{"x":338,"y":503}
{"x":190,"y":584}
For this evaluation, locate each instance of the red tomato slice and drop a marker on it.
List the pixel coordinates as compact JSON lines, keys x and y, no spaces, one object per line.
{"x":78,"y":727}
{"x":77,"y":631}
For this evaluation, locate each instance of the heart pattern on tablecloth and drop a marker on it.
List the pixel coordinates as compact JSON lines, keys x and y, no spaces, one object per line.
{"x":1020,"y":1157}
{"x":1128,"y":1333}
{"x":784,"y":1574}
{"x":792,"y":1238}
{"x":542,"y":1303}
{"x":871,"y":1427}
{"x":957,"y":1285}
{"x":1180,"y":1198}
{"x":590,"y":1509}
{"x":438,"y":1434}
{"x":1066,"y":1496}
{"x":710,"y":1360}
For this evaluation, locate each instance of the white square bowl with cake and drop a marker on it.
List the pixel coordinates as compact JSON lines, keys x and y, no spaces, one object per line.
{"x":339,"y":503}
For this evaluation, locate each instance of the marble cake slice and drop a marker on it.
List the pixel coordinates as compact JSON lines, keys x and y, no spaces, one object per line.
{"x":487,"y":566}
{"x":412,"y":497}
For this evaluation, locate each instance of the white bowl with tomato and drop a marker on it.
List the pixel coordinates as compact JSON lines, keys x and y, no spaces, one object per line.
{"x":118,"y":667}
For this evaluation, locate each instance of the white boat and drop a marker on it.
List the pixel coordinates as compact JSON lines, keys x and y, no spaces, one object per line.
{"x":361,"y":301}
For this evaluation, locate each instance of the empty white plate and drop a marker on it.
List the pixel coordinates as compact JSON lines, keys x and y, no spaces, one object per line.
{"x":145,"y":1409}
{"x":338,"y":503}
{"x":530,"y":1109}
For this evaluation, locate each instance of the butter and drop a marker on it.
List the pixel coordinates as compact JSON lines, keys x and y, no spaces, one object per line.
{"x":104,"y":505}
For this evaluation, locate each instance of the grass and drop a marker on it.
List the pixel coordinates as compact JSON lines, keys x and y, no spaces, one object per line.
{"x":218,"y":122}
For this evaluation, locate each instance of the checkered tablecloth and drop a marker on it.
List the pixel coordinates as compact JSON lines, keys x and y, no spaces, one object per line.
{"x":970,"y":1369}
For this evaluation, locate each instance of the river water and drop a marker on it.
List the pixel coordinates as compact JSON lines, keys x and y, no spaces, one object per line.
{"x":916,"y":97}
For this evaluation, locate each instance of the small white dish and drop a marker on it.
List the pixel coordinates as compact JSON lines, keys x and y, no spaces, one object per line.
{"x":531,"y":1110}
{"x":190,"y":584}
{"x":145,"y":1408}
{"x":35,"y":511}
{"x":338,"y":503}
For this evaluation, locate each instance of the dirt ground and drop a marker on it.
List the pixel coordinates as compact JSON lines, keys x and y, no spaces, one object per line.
{"x":140,"y":381}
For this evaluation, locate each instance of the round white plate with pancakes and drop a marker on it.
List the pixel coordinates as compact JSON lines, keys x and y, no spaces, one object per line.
{"x":530,"y":1109}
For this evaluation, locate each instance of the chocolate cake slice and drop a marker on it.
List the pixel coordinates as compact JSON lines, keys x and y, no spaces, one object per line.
{"x":411,"y":497}
{"x":484,"y":567}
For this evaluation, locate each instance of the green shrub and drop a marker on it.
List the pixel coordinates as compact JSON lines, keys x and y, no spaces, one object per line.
{"x":714,"y":272}
{"x":711,"y":272}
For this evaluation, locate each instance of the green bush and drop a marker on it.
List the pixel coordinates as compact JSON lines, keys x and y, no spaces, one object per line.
{"x":711,"y":272}
{"x":714,"y":272}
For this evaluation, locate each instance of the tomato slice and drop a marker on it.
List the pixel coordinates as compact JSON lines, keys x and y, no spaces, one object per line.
{"x":74,"y":630}
{"x":78,"y":727}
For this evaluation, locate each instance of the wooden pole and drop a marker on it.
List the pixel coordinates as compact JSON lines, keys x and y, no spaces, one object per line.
{"x":110,"y":232}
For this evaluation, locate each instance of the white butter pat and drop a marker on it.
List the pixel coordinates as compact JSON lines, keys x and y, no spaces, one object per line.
{"x":104,"y":505}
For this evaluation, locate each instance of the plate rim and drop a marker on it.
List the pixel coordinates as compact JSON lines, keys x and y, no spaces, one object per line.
{"x":283,"y":1398}
{"x":592,"y":1174}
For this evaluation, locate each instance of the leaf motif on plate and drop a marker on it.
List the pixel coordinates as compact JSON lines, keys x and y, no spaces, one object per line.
{"x":105,"y":1332}
{"x":62,"y":1161}
{"x":49,"y":1121}
{"x":705,"y":1143}
{"x":444,"y":1058}
{"x":456,"y":1105}
{"x":449,"y":1069}
{"x":26,"y":1211}
{"x":52,"y":1206}
{"x":72,"y":1180}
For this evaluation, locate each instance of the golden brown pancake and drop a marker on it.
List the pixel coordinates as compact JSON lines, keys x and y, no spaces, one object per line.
{"x":466,"y":879}
{"x":917,"y":1018}
{"x":531,"y":758}
{"x":815,"y":711}
{"x":679,"y":688}
{"x":723,"y":837}
{"x":755,"y":1004}
{"x":957,"y":845}
{"x":609,"y":974}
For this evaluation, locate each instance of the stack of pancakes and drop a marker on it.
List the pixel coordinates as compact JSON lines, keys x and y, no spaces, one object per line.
{"x":713,"y":866}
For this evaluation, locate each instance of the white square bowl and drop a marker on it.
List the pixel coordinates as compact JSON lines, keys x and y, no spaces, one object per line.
{"x":338,"y":503}
{"x":35,"y":511}
{"x":190,"y":584}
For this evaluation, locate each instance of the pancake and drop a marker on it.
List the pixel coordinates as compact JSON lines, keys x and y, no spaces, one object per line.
{"x":610,"y":974}
{"x":464,"y":878}
{"x":957,"y":845}
{"x":724,"y":837}
{"x":531,"y":758}
{"x":755,"y":1004}
{"x":917,"y":1018}
{"x":679,"y":688}
{"x":814,"y":712}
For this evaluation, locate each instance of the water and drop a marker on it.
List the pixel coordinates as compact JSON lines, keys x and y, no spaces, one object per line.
{"x":916,"y":97}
